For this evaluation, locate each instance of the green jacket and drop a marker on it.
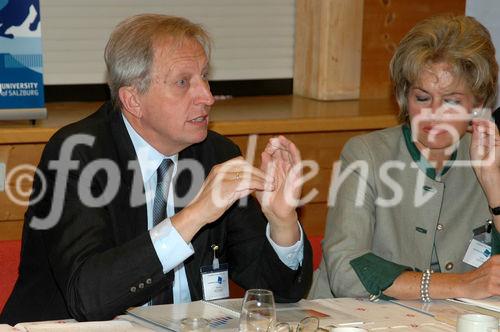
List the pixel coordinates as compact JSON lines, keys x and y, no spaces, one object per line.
{"x":366,"y":247}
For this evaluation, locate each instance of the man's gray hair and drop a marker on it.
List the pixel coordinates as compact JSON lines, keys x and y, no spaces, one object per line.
{"x":129,"y":53}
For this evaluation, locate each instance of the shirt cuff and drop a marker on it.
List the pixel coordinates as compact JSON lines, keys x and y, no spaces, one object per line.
{"x":377,"y":274}
{"x":290,"y":256}
{"x":495,"y":241}
{"x":170,"y":247}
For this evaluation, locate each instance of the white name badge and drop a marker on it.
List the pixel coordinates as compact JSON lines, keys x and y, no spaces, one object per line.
{"x":477,"y":253}
{"x":215,"y":282}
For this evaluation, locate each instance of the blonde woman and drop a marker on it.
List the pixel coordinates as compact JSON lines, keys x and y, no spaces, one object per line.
{"x":413,"y":202}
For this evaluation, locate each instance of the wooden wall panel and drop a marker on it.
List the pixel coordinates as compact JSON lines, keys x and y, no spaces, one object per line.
{"x":19,"y":154}
{"x":385,"y":22}
{"x":11,"y":230}
{"x":321,"y":147}
{"x":328,"y":49}
{"x":11,"y":210}
{"x":23,"y":158}
{"x":313,"y":217}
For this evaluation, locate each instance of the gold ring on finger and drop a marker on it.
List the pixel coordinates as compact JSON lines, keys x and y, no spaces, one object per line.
{"x":237,"y":175}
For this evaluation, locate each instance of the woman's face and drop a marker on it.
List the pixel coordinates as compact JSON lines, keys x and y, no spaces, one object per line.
{"x":439,"y":106}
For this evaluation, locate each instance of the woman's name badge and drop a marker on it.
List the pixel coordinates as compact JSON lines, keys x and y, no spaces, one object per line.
{"x":477,"y":253}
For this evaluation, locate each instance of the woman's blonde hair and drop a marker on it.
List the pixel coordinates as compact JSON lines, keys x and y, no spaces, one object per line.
{"x":129,"y":52}
{"x":460,"y":41}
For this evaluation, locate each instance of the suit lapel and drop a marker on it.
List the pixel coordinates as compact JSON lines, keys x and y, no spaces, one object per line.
{"x":132,"y":218}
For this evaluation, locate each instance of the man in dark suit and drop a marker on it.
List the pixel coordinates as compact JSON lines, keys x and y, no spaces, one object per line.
{"x":129,"y":203}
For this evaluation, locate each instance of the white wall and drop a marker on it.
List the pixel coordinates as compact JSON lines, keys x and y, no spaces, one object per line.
{"x":253,"y":39}
{"x":488,"y":13}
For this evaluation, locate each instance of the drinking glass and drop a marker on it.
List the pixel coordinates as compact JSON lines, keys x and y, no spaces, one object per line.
{"x":258,"y":312}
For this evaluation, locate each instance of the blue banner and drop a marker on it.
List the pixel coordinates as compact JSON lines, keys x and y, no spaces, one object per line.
{"x":21,"y":65}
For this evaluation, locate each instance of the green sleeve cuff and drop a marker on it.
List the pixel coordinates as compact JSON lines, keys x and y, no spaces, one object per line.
{"x":377,"y":274}
{"x":495,"y":241}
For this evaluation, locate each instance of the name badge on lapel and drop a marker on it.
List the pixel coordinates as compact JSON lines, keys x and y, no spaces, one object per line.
{"x":215,"y":279}
{"x":479,"y":250}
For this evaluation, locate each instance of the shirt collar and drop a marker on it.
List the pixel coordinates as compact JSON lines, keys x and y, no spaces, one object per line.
{"x":423,"y":163}
{"x":149,"y":158}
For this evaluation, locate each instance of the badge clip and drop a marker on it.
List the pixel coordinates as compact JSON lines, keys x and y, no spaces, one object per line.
{"x":215,"y":262}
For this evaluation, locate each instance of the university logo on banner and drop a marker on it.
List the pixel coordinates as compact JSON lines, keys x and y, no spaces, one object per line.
{"x":21,"y":65}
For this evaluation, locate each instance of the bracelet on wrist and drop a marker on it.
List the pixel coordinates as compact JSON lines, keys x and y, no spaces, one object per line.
{"x":424,"y":286}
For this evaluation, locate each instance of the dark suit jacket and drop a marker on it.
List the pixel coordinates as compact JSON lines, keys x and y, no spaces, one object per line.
{"x":98,"y":261}
{"x":496,"y":115}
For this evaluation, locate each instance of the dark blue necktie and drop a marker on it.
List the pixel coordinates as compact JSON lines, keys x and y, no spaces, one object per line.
{"x":163,"y":179}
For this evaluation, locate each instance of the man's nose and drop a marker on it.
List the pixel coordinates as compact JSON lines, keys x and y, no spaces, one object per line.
{"x":203,"y":94}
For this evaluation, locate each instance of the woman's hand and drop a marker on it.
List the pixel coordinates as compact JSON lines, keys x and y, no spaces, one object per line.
{"x":485,"y":158}
{"x":484,"y":281}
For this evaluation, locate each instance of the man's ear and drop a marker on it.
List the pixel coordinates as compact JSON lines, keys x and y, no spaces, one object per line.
{"x":130,"y":101}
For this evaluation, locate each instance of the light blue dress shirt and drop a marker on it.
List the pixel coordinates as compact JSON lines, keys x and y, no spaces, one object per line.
{"x":170,"y":247}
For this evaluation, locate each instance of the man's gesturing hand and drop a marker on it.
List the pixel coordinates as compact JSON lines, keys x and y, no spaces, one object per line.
{"x":226,"y":183}
{"x":281,"y":160}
